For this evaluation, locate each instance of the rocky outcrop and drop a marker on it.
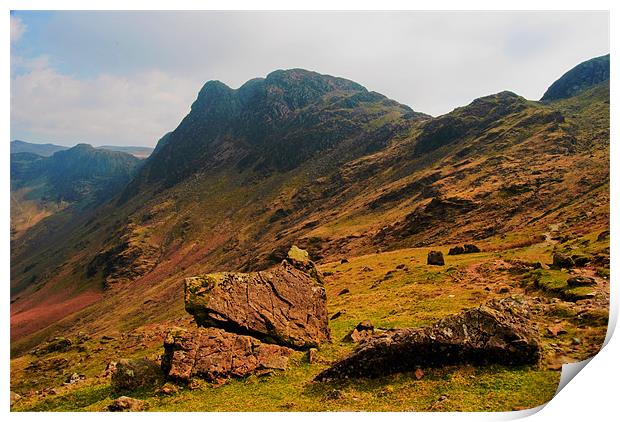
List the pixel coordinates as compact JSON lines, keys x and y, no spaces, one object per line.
{"x":362,"y":332}
{"x":435,"y":258}
{"x":130,"y":259}
{"x":499,"y":332}
{"x":57,"y":344}
{"x":285,"y":305}
{"x":579,"y":281}
{"x":562,"y":261}
{"x":136,"y":374}
{"x":466,"y":248}
{"x":216,"y":355}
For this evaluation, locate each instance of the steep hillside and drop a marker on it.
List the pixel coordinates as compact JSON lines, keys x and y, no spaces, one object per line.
{"x":308,"y":159}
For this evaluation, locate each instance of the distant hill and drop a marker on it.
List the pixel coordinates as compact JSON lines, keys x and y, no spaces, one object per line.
{"x":82,"y":176}
{"x":579,"y":79}
{"x":139,"y":152}
{"x":44,"y":150}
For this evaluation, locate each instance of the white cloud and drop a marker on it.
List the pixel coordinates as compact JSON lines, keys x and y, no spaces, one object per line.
{"x":49,"y":106}
{"x":129,"y":77}
{"x":17,"y":29}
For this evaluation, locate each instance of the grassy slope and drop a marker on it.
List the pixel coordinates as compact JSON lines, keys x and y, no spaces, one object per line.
{"x":414,"y":296}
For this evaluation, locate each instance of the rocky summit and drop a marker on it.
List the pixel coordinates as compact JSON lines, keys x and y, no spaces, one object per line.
{"x":497,"y":332}
{"x":284,"y":305}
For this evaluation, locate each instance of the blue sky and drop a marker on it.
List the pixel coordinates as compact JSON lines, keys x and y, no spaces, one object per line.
{"x":126,"y":78}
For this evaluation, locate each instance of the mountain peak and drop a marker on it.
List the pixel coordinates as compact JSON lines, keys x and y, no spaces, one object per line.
{"x":579,"y":78}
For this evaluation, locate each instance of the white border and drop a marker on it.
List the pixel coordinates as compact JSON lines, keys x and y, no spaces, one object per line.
{"x":591,"y":396}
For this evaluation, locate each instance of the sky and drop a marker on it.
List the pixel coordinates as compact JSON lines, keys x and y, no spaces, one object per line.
{"x":127,"y":78}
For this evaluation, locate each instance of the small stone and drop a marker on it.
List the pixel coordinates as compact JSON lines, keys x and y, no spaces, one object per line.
{"x":336,"y":315}
{"x":312,"y":355}
{"x":503,"y":289}
{"x":555,"y":331}
{"x":15,"y":398}
{"x":127,"y":404}
{"x":580,"y":281}
{"x":334,"y":394}
{"x":167,"y":389}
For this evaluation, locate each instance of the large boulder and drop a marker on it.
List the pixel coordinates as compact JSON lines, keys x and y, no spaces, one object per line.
{"x":562,"y":261}
{"x":284,"y":305}
{"x":435,"y":258}
{"x":466,"y":248}
{"x":216,"y":355}
{"x":499,"y":332}
{"x":136,"y":374}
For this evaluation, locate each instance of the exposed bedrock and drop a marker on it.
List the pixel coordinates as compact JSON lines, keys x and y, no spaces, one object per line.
{"x":499,"y":332}
{"x":285,"y":305}
{"x":216,"y":355}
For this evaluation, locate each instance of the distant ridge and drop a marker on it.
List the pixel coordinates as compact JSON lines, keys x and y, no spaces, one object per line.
{"x":47,"y":150}
{"x":139,"y":152}
{"x":44,"y":150}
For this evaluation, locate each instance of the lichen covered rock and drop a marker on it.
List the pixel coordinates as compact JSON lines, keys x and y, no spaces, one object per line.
{"x":285,"y":305}
{"x":216,"y":355}
{"x":499,"y":332}
{"x":136,"y":374}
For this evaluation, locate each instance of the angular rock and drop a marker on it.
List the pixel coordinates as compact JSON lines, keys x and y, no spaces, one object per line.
{"x":136,"y":374}
{"x":435,"y":258}
{"x":284,"y":305}
{"x":216,"y":355}
{"x":362,"y":332}
{"x":15,"y":398}
{"x":467,"y":248}
{"x":562,"y":261}
{"x":74,"y":378}
{"x":127,"y":404}
{"x":580,"y":260}
{"x":499,"y":332}
{"x":457,"y":250}
{"x":580,"y":281}
{"x":312,"y":355}
{"x":555,"y":331}
{"x":602,"y":235}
